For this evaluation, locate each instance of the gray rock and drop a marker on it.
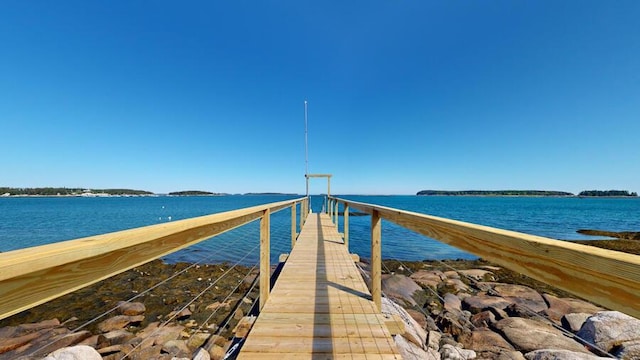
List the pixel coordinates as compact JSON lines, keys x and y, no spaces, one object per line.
{"x":452,"y":302}
{"x":80,"y":352}
{"x":574,"y":321}
{"x":528,"y":335}
{"x":483,"y":319}
{"x":433,"y":340}
{"x":400,"y":288}
{"x":608,"y":329}
{"x":456,"y":284}
{"x":450,"y":352}
{"x":555,"y":354}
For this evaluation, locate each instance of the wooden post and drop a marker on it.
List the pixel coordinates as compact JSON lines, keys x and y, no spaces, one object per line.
{"x":376,"y":259}
{"x":293,"y":225}
{"x":336,"y":213}
{"x":346,"y":226}
{"x":265,"y":261}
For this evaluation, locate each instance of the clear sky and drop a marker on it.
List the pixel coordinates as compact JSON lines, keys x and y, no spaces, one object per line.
{"x":403,"y":95}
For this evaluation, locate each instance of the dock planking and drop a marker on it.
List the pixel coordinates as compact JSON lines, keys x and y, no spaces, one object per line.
{"x":320,"y":307}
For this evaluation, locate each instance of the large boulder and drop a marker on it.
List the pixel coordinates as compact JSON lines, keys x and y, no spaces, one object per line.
{"x":555,"y":354}
{"x":559,"y":307}
{"x":574,"y":321}
{"x":521,"y":295}
{"x":431,"y":278}
{"x":527,"y":335}
{"x":79,"y":352}
{"x":479,"y":303}
{"x":488,"y":344}
{"x":609,"y":329}
{"x":400,"y":288}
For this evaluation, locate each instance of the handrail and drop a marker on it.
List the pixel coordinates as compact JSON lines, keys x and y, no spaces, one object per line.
{"x":32,"y":276}
{"x":605,"y":277}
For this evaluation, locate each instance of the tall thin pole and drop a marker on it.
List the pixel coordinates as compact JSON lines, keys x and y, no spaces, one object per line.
{"x":306,"y":148}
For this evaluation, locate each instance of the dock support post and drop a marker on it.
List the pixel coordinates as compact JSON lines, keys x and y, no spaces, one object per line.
{"x":376,"y":259}
{"x":294,"y":227}
{"x":346,"y":226}
{"x":265,"y":266}
{"x":335,"y":213}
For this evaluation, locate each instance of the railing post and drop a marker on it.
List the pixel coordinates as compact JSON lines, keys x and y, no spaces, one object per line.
{"x":265,"y":261}
{"x":346,"y":225}
{"x":335,"y":213}
{"x":294,"y":228}
{"x":376,"y":259}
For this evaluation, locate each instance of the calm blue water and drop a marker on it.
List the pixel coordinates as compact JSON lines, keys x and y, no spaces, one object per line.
{"x":26,"y":222}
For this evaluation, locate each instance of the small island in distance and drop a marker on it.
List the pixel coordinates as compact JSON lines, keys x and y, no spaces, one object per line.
{"x":586,"y":193}
{"x":195,"y":193}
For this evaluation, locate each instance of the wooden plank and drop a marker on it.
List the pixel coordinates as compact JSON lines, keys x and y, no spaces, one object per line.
{"x":320,"y":305}
{"x":32,"y":276}
{"x":605,"y":277}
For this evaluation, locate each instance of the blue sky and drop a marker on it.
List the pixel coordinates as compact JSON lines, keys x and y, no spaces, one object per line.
{"x":403,"y":95}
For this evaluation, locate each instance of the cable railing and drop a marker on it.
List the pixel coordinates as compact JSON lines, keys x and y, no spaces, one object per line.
{"x":32,"y":276}
{"x":606,"y":277}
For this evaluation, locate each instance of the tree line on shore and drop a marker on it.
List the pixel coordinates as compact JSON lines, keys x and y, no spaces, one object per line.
{"x":585,"y":193}
{"x":57,"y":191}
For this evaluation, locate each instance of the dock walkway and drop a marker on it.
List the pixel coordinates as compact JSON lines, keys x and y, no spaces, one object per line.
{"x":320,"y":307}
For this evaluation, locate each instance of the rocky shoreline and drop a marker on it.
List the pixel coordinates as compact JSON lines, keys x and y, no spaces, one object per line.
{"x":450,"y":309}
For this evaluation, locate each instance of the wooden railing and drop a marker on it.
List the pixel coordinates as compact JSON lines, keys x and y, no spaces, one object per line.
{"x":605,"y":277}
{"x":32,"y":276}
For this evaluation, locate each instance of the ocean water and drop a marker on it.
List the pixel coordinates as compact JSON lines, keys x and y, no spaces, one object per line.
{"x":32,"y":221}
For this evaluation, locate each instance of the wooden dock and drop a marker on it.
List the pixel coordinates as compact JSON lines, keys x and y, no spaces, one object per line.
{"x":320,"y":307}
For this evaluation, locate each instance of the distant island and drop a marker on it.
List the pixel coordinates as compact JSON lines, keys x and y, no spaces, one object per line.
{"x":55,"y":191}
{"x":270,"y":193}
{"x":607,"y":193}
{"x":195,"y":193}
{"x":495,"y":193}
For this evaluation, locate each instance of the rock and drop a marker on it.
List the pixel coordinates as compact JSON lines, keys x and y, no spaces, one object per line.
{"x":486,"y":343}
{"x":428,"y":278}
{"x":9,"y":344}
{"x":413,"y":332}
{"x":197,"y":340}
{"x":450,"y":274}
{"x":456,"y":285}
{"x":217,"y":305}
{"x":453,"y":322}
{"x":46,"y":324}
{"x":629,"y":350}
{"x":202,"y":354}
{"x":410,"y":351}
{"x":216,"y":352}
{"x":176,"y":348}
{"x":573,"y":322}
{"x":478,"y":274}
{"x":109,"y":350}
{"x":528,"y":335}
{"x":400,"y":288}
{"x":419,"y":317}
{"x":119,"y":322}
{"x":450,"y":352}
{"x":555,"y":354}
{"x":80,"y":352}
{"x":433,"y":340}
{"x":153,"y":334}
{"x":131,"y":308}
{"x":49,"y":345}
{"x":483,"y":319}
{"x":559,"y":307}
{"x":180,"y":315}
{"x":608,"y":329}
{"x":479,"y":303}
{"x":114,"y":337}
{"x":521,"y":295}
{"x":452,"y":302}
